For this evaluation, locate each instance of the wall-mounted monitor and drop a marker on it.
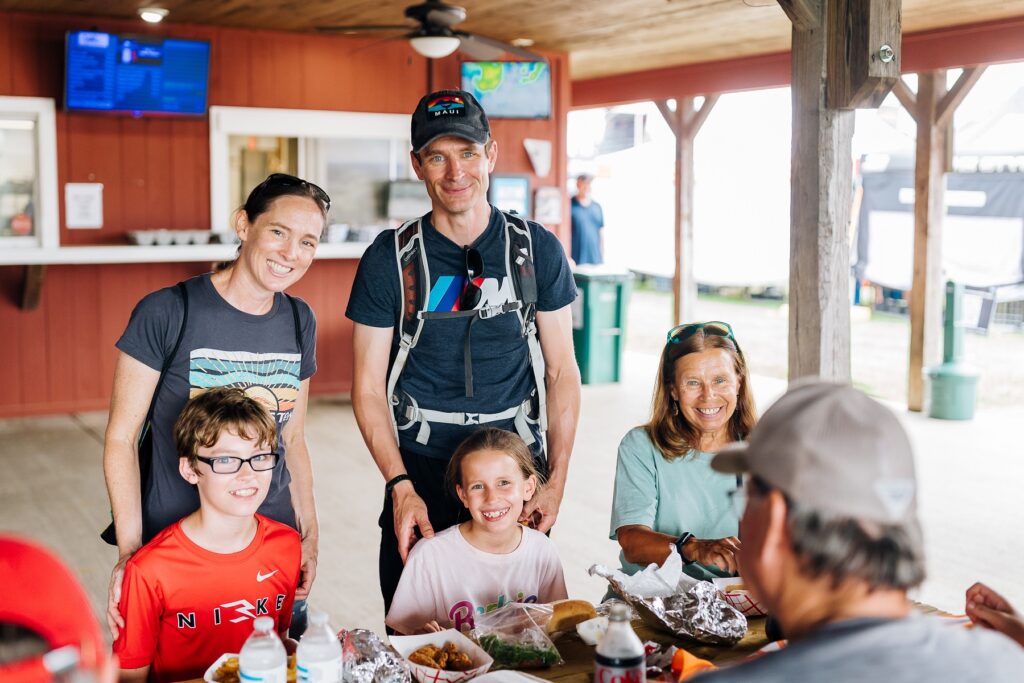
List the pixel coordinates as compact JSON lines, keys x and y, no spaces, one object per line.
{"x":135,"y":75}
{"x":510,"y":90}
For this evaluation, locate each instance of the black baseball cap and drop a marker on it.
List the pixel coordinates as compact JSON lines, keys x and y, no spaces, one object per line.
{"x":449,"y":112}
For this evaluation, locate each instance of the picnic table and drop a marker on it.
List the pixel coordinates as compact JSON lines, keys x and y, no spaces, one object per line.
{"x":579,"y":657}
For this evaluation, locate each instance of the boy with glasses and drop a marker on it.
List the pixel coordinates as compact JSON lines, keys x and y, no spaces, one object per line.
{"x":191,"y":593}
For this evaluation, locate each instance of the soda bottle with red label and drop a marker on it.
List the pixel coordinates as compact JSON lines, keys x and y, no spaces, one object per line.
{"x":619,"y":657}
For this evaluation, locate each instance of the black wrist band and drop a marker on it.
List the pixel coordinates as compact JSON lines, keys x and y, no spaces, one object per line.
{"x":395,"y":481}
{"x":683,"y":539}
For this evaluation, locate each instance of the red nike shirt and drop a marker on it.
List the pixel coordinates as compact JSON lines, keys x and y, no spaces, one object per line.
{"x":184,"y":606}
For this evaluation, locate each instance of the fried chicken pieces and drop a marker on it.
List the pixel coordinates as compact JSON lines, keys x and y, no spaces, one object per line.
{"x":449,"y":657}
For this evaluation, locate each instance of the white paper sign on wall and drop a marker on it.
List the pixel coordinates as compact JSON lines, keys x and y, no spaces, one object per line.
{"x":83,"y":205}
{"x":539,"y":152}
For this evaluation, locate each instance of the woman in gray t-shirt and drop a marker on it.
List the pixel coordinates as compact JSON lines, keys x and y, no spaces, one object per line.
{"x":236,"y":328}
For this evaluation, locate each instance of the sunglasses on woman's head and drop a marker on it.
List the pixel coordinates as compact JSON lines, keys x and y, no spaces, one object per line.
{"x":286,"y":180}
{"x":681,"y":333}
{"x":474,"y":265}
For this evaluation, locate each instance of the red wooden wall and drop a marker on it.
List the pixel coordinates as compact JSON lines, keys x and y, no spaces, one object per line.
{"x":155,"y":172}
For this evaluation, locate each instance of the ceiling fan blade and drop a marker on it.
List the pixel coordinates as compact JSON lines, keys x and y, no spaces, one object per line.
{"x":477,"y":49}
{"x":478,"y":43}
{"x":365,"y":28}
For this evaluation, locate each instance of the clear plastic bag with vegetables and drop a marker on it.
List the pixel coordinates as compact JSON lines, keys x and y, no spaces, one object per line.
{"x":514,"y":639}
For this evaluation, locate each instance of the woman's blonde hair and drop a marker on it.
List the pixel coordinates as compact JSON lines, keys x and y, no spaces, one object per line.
{"x":491,"y":439}
{"x":668,"y":428}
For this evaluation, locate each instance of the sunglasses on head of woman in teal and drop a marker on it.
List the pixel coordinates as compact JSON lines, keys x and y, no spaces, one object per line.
{"x":680,"y":333}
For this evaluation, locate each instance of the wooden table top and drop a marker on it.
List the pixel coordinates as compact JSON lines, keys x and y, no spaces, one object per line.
{"x":579,"y":657}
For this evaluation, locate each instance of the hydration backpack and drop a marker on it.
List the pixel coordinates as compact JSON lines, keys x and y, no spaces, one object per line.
{"x":414,"y":276}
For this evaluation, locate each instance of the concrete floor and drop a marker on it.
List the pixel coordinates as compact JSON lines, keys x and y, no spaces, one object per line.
{"x":970,"y":473}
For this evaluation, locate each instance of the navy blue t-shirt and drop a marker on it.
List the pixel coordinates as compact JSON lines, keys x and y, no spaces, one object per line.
{"x":434,"y":372}
{"x":587,"y":222}
{"x":222,"y":346}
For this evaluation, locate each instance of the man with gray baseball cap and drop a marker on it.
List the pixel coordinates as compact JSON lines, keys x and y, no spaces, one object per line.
{"x":832,"y":543}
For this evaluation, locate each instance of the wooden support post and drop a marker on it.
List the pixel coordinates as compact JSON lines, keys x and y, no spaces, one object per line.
{"x":32,"y":288}
{"x":821,"y":177}
{"x":929,"y":188}
{"x":932,"y":109}
{"x":685,"y":122}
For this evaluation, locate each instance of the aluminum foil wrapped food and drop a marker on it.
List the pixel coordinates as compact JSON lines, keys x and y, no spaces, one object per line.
{"x":669,"y":600}
{"x":368,"y":659}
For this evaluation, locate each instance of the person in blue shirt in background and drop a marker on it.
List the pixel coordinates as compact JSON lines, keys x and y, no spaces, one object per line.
{"x":587,"y":223}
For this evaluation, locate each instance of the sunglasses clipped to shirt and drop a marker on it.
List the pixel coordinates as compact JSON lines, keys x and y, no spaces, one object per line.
{"x":681,"y":333}
{"x":474,"y":265}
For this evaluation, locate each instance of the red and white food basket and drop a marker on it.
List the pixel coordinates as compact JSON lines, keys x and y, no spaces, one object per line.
{"x":406,"y":645}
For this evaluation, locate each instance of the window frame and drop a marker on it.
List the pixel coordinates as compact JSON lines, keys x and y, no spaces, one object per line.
{"x":43,"y":111}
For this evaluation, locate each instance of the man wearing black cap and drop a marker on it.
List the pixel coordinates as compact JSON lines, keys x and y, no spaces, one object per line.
{"x":448,"y":311}
{"x":832,"y":543}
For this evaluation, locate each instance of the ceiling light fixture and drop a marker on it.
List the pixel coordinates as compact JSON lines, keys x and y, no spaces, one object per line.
{"x":434,"y":44}
{"x":522,"y":42}
{"x":152,"y":15}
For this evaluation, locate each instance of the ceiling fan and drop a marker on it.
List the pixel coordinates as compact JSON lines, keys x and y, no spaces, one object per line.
{"x":433,"y":35}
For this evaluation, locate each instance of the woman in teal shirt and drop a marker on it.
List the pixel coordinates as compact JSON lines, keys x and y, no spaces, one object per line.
{"x":665,"y":490}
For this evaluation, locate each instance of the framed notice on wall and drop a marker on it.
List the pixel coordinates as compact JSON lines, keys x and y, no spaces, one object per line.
{"x":511,"y":193}
{"x":547,"y":206}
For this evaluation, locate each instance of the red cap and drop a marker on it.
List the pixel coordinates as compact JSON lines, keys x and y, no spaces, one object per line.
{"x":42,"y":595}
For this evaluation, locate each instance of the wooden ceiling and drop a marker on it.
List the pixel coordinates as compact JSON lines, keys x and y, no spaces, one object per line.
{"x":602,"y":37}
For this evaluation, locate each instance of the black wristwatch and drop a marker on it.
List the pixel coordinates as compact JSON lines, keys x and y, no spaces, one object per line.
{"x":395,"y":481}
{"x":683,"y":539}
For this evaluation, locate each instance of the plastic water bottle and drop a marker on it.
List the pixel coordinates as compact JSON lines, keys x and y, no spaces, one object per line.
{"x":263,"y":659}
{"x":318,"y":657}
{"x":619,"y":657}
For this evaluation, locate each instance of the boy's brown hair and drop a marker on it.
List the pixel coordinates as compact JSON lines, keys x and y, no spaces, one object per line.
{"x":492,"y":439}
{"x":209,"y":414}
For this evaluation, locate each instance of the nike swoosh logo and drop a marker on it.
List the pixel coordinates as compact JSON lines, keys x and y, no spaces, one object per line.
{"x":263,"y":577}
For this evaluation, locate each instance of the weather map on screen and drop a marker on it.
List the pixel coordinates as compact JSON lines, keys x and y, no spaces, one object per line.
{"x":510,"y":90}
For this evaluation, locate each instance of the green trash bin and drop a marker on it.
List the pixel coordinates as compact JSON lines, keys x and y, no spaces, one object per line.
{"x":599,"y":322}
{"x":954,"y":384}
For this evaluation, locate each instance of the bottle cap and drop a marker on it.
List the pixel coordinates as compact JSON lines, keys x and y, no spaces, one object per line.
{"x":619,"y":611}
{"x":263,"y":624}
{"x":317,"y":618}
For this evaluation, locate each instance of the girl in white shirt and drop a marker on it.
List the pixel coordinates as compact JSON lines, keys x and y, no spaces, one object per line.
{"x":478,"y":566}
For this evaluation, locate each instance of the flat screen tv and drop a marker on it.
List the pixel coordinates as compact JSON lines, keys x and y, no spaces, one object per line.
{"x":135,"y":74}
{"x":510,"y":90}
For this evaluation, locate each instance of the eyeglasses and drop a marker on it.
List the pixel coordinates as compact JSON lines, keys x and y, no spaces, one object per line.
{"x":681,"y":333}
{"x":228,"y":464}
{"x":474,"y":264}
{"x":286,"y":180}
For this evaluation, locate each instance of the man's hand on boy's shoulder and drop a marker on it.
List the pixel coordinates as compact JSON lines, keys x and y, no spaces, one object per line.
{"x":307,"y":567}
{"x":115,"y":621}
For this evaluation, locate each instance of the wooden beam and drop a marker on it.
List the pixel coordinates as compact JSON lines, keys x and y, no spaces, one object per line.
{"x":669,"y":115}
{"x":951,"y":100}
{"x":32,"y":288}
{"x":983,"y":43}
{"x":863,"y":52}
{"x":804,"y":14}
{"x":929,"y":185}
{"x":906,"y":97}
{"x":821,"y":177}
{"x":702,"y":114}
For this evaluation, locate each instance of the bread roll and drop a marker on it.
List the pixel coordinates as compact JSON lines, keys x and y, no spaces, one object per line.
{"x":565,"y":614}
